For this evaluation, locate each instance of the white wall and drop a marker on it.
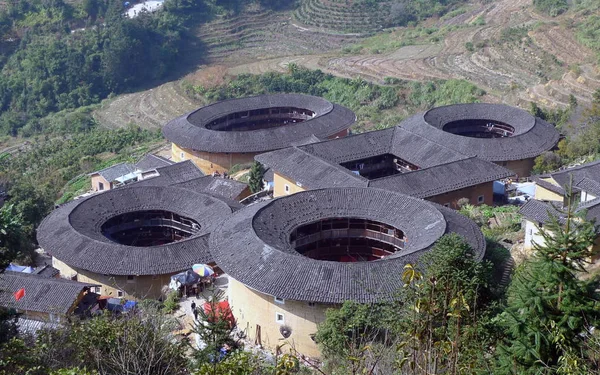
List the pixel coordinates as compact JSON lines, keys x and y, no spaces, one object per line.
{"x":586,"y":197}
{"x":532,"y":235}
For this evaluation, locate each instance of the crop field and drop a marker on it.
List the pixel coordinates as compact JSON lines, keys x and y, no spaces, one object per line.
{"x":514,"y":53}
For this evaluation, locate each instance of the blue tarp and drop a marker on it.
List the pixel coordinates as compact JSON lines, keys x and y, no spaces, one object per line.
{"x":499,"y":187}
{"x":17,"y":268}
{"x":116,"y":304}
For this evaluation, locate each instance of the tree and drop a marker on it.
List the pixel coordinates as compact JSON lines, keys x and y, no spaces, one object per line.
{"x":432,"y":327}
{"x":550,"y":311}
{"x":14,"y":241}
{"x":255,"y":180}
{"x":214,"y":328}
{"x":442,"y":309}
{"x":139,"y":342}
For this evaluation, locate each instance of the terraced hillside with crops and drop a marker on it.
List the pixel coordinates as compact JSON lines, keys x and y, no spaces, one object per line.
{"x":505,"y":47}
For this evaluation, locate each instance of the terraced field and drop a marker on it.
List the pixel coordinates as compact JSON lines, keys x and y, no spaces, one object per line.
{"x":516,"y":54}
{"x":260,"y":34}
{"x":342,"y":15}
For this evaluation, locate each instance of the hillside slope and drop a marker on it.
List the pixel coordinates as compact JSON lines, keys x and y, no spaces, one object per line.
{"x":505,"y":47}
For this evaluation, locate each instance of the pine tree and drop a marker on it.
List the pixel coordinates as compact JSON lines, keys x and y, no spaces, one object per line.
{"x":550,"y":310}
{"x":215,"y":329}
{"x":255,"y":180}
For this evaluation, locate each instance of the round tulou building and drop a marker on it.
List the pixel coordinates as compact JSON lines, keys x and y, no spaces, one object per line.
{"x":231,"y":132}
{"x":131,"y":240}
{"x":291,"y":258}
{"x":508,"y":136}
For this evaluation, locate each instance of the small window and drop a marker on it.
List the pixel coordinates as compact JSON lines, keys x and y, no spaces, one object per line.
{"x":182,"y":156}
{"x":279,"y":318}
{"x":480,"y":199}
{"x":446,"y":204}
{"x":280,"y":300}
{"x":130,"y":278}
{"x":286,"y":187}
{"x":311,"y":304}
{"x":120,"y":293}
{"x":100,"y":186}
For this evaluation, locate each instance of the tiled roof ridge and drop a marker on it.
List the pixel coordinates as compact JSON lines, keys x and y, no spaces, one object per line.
{"x":427,"y":140}
{"x":335,"y":165}
{"x":228,"y":100}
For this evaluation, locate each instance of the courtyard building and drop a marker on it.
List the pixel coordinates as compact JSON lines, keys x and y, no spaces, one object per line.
{"x":395,"y":159}
{"x":505,"y":135}
{"x":232,"y":132}
{"x":291,"y":258}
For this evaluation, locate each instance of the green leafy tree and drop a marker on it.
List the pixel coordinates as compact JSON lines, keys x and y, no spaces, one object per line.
{"x":139,"y":342}
{"x":255,"y":180}
{"x":443,"y":308}
{"x":14,"y":241}
{"x":550,"y":309}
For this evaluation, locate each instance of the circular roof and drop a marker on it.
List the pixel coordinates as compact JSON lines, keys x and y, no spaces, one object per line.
{"x":190,"y":130}
{"x":253,"y":246}
{"x":532,"y":136}
{"x":72,"y":233}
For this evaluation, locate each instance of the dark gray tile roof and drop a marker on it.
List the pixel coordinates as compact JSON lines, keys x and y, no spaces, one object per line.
{"x":547,"y":185}
{"x":585,"y":177}
{"x":253,"y":245}
{"x":224,"y":189}
{"x":540,"y":211}
{"x":190,"y":130}
{"x":116,"y":171}
{"x":317,"y":166}
{"x":532,"y":135}
{"x":46,"y":271}
{"x":151,"y":161}
{"x":42,"y":294}
{"x":308,"y":170}
{"x":32,"y":327}
{"x":187,"y":175}
{"x":269,"y":175}
{"x":72,"y":233}
{"x":173,"y":174}
{"x":443,"y":178}
{"x":353,"y":147}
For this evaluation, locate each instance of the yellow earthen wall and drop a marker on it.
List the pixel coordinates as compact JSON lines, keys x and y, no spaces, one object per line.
{"x":96,"y":179}
{"x":472,"y":193}
{"x":521,"y":168}
{"x":210,"y":162}
{"x":141,"y":287}
{"x":279,"y":182}
{"x":543,"y":194}
{"x":251,"y":308}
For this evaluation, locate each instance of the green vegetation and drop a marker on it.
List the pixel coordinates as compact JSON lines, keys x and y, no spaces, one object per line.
{"x":255,"y":180}
{"x":551,"y":7}
{"x":580,"y":144}
{"x":366,"y":16}
{"x":449,"y":321}
{"x":36,"y":177}
{"x":57,"y":66}
{"x":550,"y":314}
{"x":376,"y":106}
